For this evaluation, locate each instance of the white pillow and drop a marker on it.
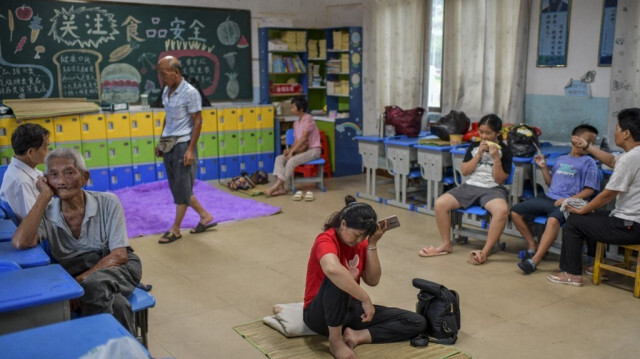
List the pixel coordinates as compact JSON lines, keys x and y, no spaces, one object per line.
{"x":287,"y":319}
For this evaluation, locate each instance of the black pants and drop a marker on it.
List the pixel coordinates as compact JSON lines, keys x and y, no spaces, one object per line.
{"x":332,"y":307}
{"x":593,"y":228}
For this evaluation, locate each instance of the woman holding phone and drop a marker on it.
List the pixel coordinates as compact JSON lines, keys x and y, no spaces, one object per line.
{"x":335,"y":305}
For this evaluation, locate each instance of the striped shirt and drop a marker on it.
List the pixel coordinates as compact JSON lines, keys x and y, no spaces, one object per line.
{"x":184,"y":101}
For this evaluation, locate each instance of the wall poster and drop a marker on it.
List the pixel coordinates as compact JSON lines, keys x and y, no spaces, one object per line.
{"x":553,"y":35}
{"x":607,"y":32}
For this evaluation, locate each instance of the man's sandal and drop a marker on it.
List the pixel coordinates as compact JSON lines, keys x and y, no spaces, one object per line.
{"x":170,"y":237}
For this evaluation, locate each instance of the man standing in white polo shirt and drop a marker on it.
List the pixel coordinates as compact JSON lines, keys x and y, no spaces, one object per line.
{"x":30,"y":143}
{"x":177,"y":146}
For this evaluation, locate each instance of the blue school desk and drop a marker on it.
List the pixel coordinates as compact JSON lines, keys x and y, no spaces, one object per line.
{"x":35,"y":296}
{"x":7,"y":228}
{"x":26,"y":258}
{"x":71,"y":339}
{"x":401,"y":154}
{"x":432,"y":160}
{"x":371,"y":148}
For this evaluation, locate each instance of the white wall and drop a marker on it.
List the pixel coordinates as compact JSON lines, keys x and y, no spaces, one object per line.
{"x":584,"y":39}
{"x":546,"y":106}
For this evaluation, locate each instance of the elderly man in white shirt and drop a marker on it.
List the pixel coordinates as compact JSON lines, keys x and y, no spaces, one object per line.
{"x":30,"y":143}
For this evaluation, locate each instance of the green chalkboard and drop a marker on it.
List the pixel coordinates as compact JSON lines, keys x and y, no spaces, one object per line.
{"x":108,"y":52}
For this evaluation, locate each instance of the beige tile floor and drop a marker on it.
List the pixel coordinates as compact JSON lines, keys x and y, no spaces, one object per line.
{"x":207,"y":283}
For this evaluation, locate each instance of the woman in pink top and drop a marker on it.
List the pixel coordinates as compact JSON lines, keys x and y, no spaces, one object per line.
{"x":305,"y":148}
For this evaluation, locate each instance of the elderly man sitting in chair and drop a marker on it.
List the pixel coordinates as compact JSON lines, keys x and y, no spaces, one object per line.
{"x":87,"y":235}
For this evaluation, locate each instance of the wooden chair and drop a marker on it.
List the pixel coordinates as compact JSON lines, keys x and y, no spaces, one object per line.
{"x":622,"y":268}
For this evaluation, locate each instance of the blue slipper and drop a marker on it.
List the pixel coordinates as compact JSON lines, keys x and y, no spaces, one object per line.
{"x":527,"y":266}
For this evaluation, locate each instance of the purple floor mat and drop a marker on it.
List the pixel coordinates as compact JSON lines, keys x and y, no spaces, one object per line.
{"x":149,"y":207}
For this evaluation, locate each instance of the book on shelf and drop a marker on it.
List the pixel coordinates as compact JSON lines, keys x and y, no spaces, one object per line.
{"x":344,"y":59}
{"x":312,"y":49}
{"x":277,"y":45}
{"x":286,"y":64}
{"x":322,"y":49}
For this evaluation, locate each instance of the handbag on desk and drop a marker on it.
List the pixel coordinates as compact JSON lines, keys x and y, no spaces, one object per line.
{"x":406,"y":122}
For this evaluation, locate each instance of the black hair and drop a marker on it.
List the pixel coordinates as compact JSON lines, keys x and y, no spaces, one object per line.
{"x":494,"y":122}
{"x":26,"y":136}
{"x":582,"y":128}
{"x":357,"y":215}
{"x":301,"y":103}
{"x":629,"y":119}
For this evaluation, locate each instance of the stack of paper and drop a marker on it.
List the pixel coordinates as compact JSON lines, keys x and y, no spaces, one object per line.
{"x":312,"y":48}
{"x":322,"y":49}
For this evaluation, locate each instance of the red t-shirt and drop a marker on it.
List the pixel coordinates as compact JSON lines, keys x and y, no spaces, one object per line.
{"x":353,"y":258}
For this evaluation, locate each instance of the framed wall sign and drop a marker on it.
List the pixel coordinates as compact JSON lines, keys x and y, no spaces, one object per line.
{"x":553,"y":35}
{"x":607,"y":32}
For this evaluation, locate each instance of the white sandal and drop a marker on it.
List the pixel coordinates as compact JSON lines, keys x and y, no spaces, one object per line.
{"x":297,"y":196}
{"x":309,"y":196}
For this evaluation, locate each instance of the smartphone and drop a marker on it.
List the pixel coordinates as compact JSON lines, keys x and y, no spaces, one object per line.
{"x":392,"y":222}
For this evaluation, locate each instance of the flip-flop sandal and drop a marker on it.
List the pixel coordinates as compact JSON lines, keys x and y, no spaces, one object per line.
{"x":431,"y":252}
{"x":297,"y":196}
{"x":477,"y":257}
{"x":309,"y":196}
{"x":203,"y":227}
{"x":170,"y":237}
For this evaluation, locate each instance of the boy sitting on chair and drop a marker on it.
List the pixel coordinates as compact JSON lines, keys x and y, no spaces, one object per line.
{"x":575,"y":175}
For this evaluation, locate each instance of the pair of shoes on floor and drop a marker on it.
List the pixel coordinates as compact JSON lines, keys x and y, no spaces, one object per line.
{"x":307,"y":196}
{"x":527,"y":265}
{"x":604,"y":275}
{"x":565,"y":278}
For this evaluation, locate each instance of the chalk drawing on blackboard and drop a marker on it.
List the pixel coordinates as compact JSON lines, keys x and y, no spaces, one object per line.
{"x":233,"y":88}
{"x":243,"y":42}
{"x":120,"y":83}
{"x":99,"y":26}
{"x":230,"y":58}
{"x":199,"y":64}
{"x":12,"y":25}
{"x":23,"y":40}
{"x":24,"y":13}
{"x":228,"y":32}
{"x":39,"y":50}
{"x":78,"y":73}
{"x":184,"y":45}
{"x":145,"y":59}
{"x":35,"y":27}
{"x":155,"y":20}
{"x":123,"y":51}
{"x":150,"y":87}
{"x":22,"y":80}
{"x":132,"y":28}
{"x":195,"y":27}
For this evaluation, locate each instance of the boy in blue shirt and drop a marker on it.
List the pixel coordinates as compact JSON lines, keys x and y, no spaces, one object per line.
{"x":575,"y":175}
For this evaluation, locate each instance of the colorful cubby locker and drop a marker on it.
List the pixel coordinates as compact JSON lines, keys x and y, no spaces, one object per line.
{"x":119,"y":149}
{"x":229,"y":164}
{"x":143,"y":157}
{"x":208,"y":166}
{"x":93,"y":135}
{"x":158,"y":126}
{"x":7,"y":126}
{"x":265,"y":138}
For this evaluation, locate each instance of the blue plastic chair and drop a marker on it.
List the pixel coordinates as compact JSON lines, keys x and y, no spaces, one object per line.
{"x":460,"y":233}
{"x":141,"y":301}
{"x":8,"y":212}
{"x":8,"y":266}
{"x":320,"y":162}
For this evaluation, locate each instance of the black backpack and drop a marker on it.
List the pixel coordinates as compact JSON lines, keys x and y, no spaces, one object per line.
{"x":441,"y":307}
{"x":522,"y":140}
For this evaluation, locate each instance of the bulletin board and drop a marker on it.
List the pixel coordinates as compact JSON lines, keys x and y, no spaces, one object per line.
{"x":108,"y":52}
{"x":553,"y":35}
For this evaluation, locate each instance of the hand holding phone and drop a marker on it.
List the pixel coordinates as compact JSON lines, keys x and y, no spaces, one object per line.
{"x":392,"y":222}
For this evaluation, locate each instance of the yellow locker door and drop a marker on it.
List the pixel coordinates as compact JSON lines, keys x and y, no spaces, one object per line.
{"x":118,"y":125}
{"x":67,"y":128}
{"x":158,"y":122}
{"x":247,"y":118}
{"x":93,"y":127}
{"x":265,"y":118}
{"x":228,"y":120}
{"x":209,"y":120}
{"x":142,"y":124}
